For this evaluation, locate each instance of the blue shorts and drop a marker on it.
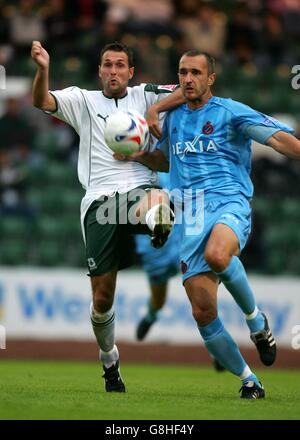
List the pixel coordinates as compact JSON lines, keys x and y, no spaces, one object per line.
{"x":159,"y":264}
{"x":235,"y":213}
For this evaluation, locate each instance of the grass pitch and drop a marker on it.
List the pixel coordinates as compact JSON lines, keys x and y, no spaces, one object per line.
{"x":71,"y":390}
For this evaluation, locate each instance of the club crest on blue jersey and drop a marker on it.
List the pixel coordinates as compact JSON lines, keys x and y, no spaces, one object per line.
{"x":207,"y":128}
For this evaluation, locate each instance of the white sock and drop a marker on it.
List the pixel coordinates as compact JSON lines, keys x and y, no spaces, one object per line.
{"x":109,"y":358}
{"x":246,"y":372}
{"x":253,"y":314}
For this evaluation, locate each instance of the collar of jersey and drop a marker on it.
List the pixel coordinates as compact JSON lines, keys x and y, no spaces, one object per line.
{"x":211,"y":100}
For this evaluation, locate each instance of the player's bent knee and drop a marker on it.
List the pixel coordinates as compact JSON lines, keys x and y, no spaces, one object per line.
{"x":102,"y":304}
{"x":103,"y":298}
{"x":204,"y":317}
{"x":157,"y":196}
{"x":217,"y":261}
{"x":103,"y":288}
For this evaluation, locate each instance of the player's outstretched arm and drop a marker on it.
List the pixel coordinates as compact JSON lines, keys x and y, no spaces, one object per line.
{"x":41,"y":97}
{"x":155,"y":161}
{"x":171,"y":101}
{"x":286,"y":144}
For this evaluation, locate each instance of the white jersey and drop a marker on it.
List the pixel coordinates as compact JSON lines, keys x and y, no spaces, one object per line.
{"x":86,"y":111}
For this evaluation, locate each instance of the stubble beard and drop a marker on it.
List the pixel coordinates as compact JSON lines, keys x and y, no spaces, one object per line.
{"x":116,"y":92}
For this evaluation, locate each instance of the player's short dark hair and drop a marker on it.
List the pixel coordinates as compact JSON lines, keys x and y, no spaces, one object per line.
{"x":211,"y":62}
{"x":118,"y":47}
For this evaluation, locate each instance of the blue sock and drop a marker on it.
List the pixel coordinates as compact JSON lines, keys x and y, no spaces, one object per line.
{"x":235,"y":280}
{"x":222,"y":347}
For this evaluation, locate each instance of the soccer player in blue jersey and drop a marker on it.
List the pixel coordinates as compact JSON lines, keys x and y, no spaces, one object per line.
{"x":206,"y":145}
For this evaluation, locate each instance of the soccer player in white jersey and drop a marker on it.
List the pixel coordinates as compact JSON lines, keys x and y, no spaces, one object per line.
{"x":206,"y":144}
{"x":109,"y":184}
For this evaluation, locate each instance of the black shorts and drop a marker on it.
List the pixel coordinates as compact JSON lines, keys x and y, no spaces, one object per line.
{"x":110,"y":244}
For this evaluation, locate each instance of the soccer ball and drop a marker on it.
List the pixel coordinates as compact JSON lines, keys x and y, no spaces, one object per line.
{"x":126,"y":132}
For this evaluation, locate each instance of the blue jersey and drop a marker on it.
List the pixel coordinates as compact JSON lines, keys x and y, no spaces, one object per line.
{"x":210,"y":148}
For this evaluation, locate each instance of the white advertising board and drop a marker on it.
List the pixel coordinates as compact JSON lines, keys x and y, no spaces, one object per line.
{"x":54,"y":304}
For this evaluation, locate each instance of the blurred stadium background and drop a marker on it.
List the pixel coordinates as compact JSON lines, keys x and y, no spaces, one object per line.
{"x":44,"y":292}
